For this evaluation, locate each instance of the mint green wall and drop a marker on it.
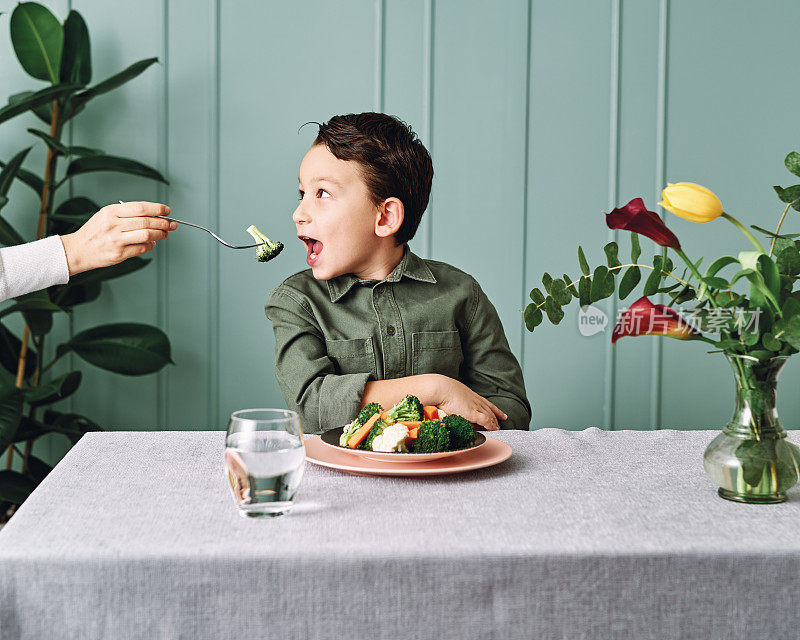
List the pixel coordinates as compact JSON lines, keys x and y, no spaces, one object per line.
{"x":539,"y":115}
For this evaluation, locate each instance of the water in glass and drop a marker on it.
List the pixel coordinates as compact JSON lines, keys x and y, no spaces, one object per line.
{"x":264,"y":459}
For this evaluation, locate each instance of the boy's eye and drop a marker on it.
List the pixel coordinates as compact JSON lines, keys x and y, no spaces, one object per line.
{"x":321,"y":191}
{"x":300,"y":195}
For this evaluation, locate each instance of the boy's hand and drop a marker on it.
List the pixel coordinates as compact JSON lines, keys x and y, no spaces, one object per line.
{"x":456,"y":397}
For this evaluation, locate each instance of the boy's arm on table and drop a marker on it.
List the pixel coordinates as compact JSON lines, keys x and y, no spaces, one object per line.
{"x":489,"y":368}
{"x":307,"y":376}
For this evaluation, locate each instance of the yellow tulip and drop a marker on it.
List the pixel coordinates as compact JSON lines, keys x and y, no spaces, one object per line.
{"x":691,"y":201}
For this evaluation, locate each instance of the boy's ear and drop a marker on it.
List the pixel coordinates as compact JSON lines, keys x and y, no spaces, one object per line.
{"x":390,"y":217}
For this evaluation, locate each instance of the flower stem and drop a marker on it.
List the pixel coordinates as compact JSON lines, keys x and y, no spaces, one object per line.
{"x":744,"y":230}
{"x":778,"y":230}
{"x":696,"y":274}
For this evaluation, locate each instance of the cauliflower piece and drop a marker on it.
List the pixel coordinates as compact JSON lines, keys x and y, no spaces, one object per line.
{"x":393,"y":439}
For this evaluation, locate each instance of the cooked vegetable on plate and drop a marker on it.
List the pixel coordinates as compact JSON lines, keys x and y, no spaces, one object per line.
{"x":408,"y":427}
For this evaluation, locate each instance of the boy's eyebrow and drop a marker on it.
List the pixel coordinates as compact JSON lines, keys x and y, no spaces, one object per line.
{"x":326,"y":179}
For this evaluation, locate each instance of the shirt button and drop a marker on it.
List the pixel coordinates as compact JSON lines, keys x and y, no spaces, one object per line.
{"x":390,"y":330}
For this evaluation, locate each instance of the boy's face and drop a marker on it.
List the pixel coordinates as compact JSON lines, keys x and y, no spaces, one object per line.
{"x":336,"y":217}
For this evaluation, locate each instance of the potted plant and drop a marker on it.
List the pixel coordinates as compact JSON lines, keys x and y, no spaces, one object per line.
{"x":746,"y":306}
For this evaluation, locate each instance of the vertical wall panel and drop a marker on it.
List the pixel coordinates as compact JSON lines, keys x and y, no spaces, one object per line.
{"x":567,"y":191}
{"x":731,"y":119}
{"x":479,"y":148}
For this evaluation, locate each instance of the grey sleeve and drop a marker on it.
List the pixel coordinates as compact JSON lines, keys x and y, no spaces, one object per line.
{"x":305,"y":373}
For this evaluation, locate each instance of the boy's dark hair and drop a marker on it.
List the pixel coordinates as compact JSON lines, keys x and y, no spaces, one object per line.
{"x":393,"y":161}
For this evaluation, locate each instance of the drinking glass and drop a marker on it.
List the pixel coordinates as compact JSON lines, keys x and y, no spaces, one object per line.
{"x":264,"y":458}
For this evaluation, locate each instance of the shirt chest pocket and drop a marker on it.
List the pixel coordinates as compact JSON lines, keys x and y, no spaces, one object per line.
{"x":436,"y":352}
{"x":352,"y":356}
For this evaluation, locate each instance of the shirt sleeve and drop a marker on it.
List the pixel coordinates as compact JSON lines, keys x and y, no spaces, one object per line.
{"x":489,"y":368}
{"x":305,"y":373}
{"x":32,"y":266}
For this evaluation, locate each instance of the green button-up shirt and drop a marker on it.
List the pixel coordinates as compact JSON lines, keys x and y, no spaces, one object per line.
{"x":332,"y":336}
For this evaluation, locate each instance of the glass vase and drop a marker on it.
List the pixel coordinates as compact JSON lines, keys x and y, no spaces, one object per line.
{"x":752,"y":460}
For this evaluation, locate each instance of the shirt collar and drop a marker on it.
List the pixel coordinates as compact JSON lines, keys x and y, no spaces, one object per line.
{"x":410,"y":266}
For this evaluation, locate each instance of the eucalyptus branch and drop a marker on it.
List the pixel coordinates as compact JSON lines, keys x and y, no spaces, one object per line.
{"x":778,"y":230}
{"x":623,"y":266}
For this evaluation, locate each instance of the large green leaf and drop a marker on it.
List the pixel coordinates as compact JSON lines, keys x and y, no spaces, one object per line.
{"x":42,"y":111}
{"x":22,"y":102}
{"x":111,"y":83}
{"x":37,"y":309}
{"x":72,"y":214}
{"x":70,"y":295}
{"x":792,"y":163}
{"x":90,"y":164}
{"x":15,"y":487}
{"x":38,"y":38}
{"x":30,"y":429}
{"x":10,"y":170}
{"x":38,"y":469}
{"x":55,"y":390}
{"x":128,"y":348}
{"x":72,"y":425}
{"x":76,"y":59}
{"x":10,"y":414}
{"x":107,"y":273}
{"x":54,"y":145}
{"x":10,"y":346}
{"x":29,"y":178}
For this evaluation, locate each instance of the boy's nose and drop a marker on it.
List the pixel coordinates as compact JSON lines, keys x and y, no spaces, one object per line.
{"x":299,"y":216}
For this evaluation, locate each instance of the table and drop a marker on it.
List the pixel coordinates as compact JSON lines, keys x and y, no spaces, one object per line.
{"x":587,"y":534}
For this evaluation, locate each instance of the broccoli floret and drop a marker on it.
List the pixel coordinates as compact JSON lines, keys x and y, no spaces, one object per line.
{"x":462,"y":435}
{"x":432,"y":437}
{"x":377,"y":429}
{"x":268,"y":249}
{"x":367,"y":412}
{"x":409,"y":408}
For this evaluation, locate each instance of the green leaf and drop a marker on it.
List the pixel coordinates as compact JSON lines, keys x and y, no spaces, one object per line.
{"x":775,"y":235}
{"x":52,"y":143}
{"x":789,"y":261}
{"x":599,"y":284}
{"x":107,"y":273}
{"x":30,"y":429}
{"x":21,"y":103}
{"x":76,"y":57}
{"x":38,"y":469}
{"x":792,"y":163}
{"x":128,"y":348}
{"x":37,"y":37}
{"x":719,"y":264}
{"x":769,"y":341}
{"x":753,"y":456}
{"x":10,"y":346}
{"x":90,"y":164}
{"x":10,"y":171}
{"x":584,"y":291}
{"x":629,"y":281}
{"x":789,"y":195}
{"x":636,"y":249}
{"x":653,"y":281}
{"x":43,"y":111}
{"x":71,"y":295}
{"x":582,"y":262}
{"x":55,"y":390}
{"x":570,"y":285}
{"x":547,"y":281}
{"x":37,"y":303}
{"x":554,"y":312}
{"x":533,"y":317}
{"x":537,"y":296}
{"x":559,"y":292}
{"x":15,"y":487}
{"x":72,"y":425}
{"x":10,"y":414}
{"x":110,"y":83}
{"x":612,"y":250}
{"x":30,"y":179}
{"x":71,"y":214}
{"x":716,"y":283}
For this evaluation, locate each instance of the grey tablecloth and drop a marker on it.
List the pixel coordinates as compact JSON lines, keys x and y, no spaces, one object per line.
{"x":586,"y":534}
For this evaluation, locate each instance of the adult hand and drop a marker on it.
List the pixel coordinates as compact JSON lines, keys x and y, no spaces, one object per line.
{"x":115,"y":233}
{"x":456,"y":397}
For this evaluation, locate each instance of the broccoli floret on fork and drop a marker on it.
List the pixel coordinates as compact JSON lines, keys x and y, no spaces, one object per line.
{"x":268,"y":249}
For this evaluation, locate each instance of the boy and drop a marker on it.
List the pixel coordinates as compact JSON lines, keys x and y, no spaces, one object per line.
{"x":371,"y":321}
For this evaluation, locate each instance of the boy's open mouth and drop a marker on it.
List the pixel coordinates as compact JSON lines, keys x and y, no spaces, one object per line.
{"x":313,"y":248}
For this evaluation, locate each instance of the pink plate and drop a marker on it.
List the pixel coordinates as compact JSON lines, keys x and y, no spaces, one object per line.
{"x":490,"y":453}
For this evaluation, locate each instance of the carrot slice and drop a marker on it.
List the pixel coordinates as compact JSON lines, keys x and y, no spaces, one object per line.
{"x":411,"y":423}
{"x":431,"y":412}
{"x":413,"y":434}
{"x":359,"y":435}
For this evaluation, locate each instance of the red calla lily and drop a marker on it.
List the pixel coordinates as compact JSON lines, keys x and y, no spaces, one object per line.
{"x":643,"y":318}
{"x":635,"y":217}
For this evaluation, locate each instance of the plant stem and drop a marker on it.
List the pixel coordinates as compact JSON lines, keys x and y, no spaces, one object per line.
{"x":745,"y":231}
{"x":778,"y":230}
{"x":696,"y":274}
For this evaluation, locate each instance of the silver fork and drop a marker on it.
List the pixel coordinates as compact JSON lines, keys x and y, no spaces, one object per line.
{"x":197,"y":226}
